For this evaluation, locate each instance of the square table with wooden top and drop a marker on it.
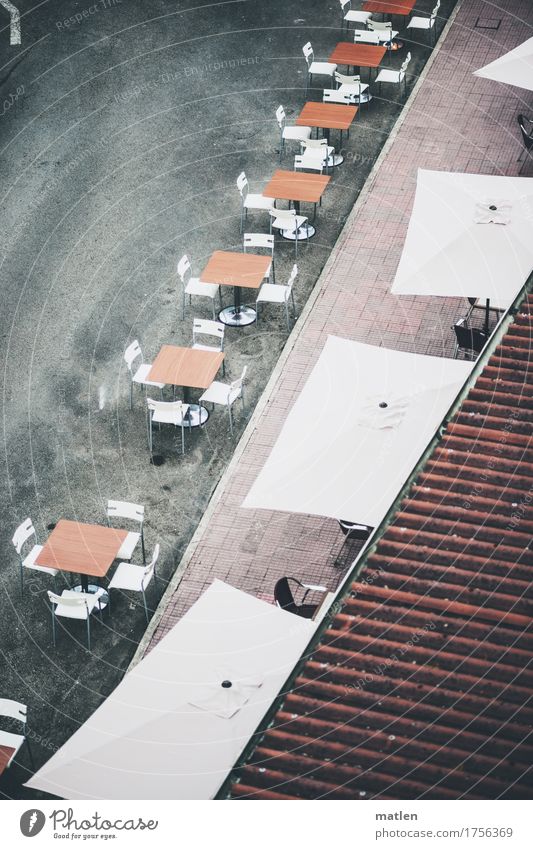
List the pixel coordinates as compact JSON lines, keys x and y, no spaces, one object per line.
{"x":297,"y":187}
{"x":6,"y":753}
{"x":86,"y":549}
{"x":328,"y":116}
{"x":390,"y":7}
{"x":190,"y":369}
{"x":242,"y":271}
{"x":358,"y":56}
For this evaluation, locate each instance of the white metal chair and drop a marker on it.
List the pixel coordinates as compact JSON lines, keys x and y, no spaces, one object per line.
{"x":27,"y":558}
{"x":226,"y":394}
{"x":364,"y":36}
{"x":74,"y":605}
{"x":428,"y":25}
{"x":386,"y":34}
{"x":134,"y":513}
{"x":335,"y":95}
{"x":261,"y":241}
{"x":250,"y":201}
{"x":167,"y":412}
{"x":194,"y":286}
{"x":320,"y":69}
{"x":352,"y":84}
{"x":312,"y":160}
{"x":10,"y":739}
{"x":291,"y":133}
{"x":272,"y":294}
{"x":213,"y":332}
{"x":287,"y":221}
{"x":353,"y":16}
{"x":134,"y":578}
{"x":387,"y":75}
{"x":138,"y":375}
{"x":318,"y":144}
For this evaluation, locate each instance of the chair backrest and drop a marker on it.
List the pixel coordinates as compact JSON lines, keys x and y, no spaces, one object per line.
{"x":311,"y":144}
{"x":176,"y":408}
{"x":379,"y":26}
{"x":74,"y":601}
{"x":345,"y":3}
{"x":315,"y":160}
{"x":13,"y":710}
{"x":405,"y":63}
{"x":307,"y":50}
{"x":365,"y":36}
{"x":435,"y":10}
{"x":235,"y":387}
{"x":347,"y":79}
{"x":353,"y":531}
{"x":208,"y":327}
{"x":184,"y":266}
{"x":125,"y":510}
{"x":242,"y":184}
{"x":292,"y":278}
{"x":131,"y":353}
{"x":332,"y":95}
{"x":22,"y":534}
{"x":259,"y":240}
{"x":283,"y":596}
{"x":149,"y":569}
{"x":280,"y":117}
{"x":526,"y":137}
{"x":469,"y":338}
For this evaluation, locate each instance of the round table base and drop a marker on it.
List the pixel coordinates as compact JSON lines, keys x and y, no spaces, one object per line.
{"x":303,"y":233}
{"x":237,"y":316}
{"x":92,"y":589}
{"x":335,"y":159}
{"x":196,"y":415}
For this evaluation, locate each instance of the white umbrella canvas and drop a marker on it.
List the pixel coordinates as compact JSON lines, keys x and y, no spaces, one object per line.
{"x":170,"y":730}
{"x":469,"y":235}
{"x":357,"y":429}
{"x":514,"y":68}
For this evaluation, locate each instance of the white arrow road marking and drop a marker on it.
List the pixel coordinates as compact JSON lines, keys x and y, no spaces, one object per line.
{"x":15,"y":21}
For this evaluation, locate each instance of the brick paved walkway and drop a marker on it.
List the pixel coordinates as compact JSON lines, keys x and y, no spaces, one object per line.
{"x":455,"y":121}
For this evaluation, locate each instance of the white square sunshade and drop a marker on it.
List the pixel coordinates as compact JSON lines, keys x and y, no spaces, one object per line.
{"x":359,"y":426}
{"x":514,"y":68}
{"x":147,"y":740}
{"x":470,"y":235}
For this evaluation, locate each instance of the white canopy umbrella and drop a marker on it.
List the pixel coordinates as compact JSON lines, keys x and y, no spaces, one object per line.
{"x":163,"y":734}
{"x":513,"y":68}
{"x":359,"y":426}
{"x":470,"y":235}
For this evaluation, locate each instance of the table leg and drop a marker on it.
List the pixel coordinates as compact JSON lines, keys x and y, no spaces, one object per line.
{"x":305,"y":232}
{"x":196,"y":415}
{"x":85,"y":587}
{"x":238,"y":315}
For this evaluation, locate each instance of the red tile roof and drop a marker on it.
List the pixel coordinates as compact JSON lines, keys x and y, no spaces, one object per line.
{"x":421,"y":685}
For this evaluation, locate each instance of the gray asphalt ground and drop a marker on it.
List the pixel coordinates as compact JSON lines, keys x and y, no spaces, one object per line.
{"x":123,"y":127}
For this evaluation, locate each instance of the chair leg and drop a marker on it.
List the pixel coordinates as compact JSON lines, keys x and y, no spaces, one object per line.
{"x":183,"y":304}
{"x":131,"y":394}
{"x":230,"y":420}
{"x":287,"y":315}
{"x":54,"y":628}
{"x":214,"y":312}
{"x":293,"y":307}
{"x":89,"y":631}
{"x":21,"y":578}
{"x":182,"y":439}
{"x":145,"y":606}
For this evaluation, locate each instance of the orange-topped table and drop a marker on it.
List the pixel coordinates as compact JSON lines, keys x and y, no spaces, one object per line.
{"x":328,"y":116}
{"x":358,"y":55}
{"x":242,"y":271}
{"x":189,"y":368}
{"x":390,"y":7}
{"x":6,"y":753}
{"x":87,"y":549}
{"x":298,"y":187}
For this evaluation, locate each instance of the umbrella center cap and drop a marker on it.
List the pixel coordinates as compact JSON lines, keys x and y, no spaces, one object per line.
{"x":493,"y":208}
{"x":227,"y":684}
{"x":383,"y":404}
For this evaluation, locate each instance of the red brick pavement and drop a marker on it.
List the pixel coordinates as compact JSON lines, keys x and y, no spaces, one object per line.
{"x":455,"y":122}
